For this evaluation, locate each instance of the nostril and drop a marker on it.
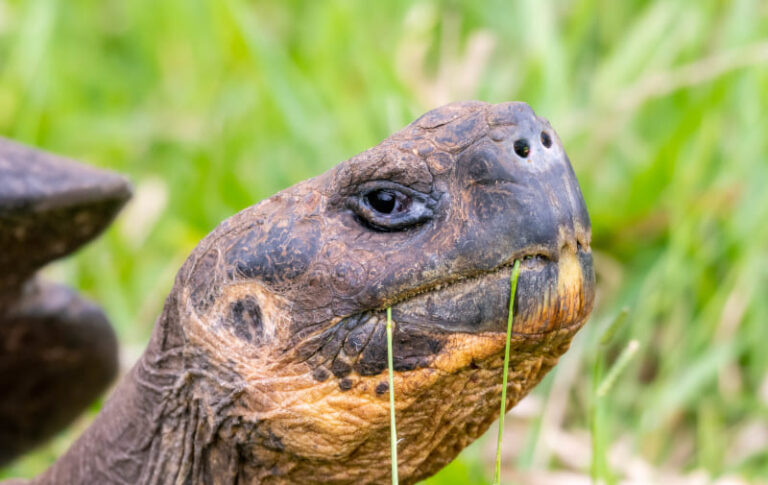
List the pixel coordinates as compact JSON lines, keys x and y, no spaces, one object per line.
{"x":522,"y":148}
{"x":546,"y":140}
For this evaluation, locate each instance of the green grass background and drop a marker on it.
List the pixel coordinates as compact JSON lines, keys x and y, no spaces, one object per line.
{"x":210,"y":106}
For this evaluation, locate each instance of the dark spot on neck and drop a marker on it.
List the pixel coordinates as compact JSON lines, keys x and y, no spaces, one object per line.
{"x":274,"y":442}
{"x":339,"y":368}
{"x":320,"y":374}
{"x":382,"y":388}
{"x":245,"y":320}
{"x":345,"y":384}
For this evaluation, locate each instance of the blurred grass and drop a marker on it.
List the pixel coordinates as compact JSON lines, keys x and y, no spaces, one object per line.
{"x":209,"y":106}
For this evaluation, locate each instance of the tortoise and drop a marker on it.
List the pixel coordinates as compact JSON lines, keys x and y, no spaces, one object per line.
{"x":268,"y":362}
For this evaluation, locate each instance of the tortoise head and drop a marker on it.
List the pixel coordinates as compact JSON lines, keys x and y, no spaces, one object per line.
{"x":289,"y":295}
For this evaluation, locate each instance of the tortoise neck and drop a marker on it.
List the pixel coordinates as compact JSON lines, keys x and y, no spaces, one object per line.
{"x":160,"y":425}
{"x":120,"y":447}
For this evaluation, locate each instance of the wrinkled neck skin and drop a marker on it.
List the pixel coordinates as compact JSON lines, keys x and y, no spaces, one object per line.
{"x":163,"y":424}
{"x":179,"y":418}
{"x":160,"y":425}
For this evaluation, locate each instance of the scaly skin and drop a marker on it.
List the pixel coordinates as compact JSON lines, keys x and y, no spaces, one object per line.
{"x":268,"y":362}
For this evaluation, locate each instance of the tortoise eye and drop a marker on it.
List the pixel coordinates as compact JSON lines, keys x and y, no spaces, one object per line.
{"x":387,"y":201}
{"x":383,"y":201}
{"x":387,"y":206}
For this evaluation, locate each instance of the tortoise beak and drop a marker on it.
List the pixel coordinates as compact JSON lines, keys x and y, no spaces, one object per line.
{"x":552,"y":294}
{"x":557,"y":296}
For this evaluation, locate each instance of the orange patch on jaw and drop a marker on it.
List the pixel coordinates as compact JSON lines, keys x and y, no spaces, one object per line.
{"x":570,"y":277}
{"x":562,"y":307}
{"x":462,"y":349}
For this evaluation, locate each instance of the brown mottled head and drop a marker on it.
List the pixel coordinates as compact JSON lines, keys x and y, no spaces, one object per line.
{"x":290,"y":294}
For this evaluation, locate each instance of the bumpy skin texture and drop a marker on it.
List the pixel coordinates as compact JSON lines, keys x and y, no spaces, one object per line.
{"x":57,"y":351}
{"x":268,"y":362}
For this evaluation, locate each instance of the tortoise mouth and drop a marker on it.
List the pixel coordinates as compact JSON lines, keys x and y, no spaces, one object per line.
{"x":531,"y":260}
{"x":553,"y":293}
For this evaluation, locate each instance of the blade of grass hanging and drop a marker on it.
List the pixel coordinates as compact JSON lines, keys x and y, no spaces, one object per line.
{"x":621,"y":363}
{"x":614,"y":326}
{"x":510,"y":318}
{"x":392,"y":424}
{"x":600,"y":471}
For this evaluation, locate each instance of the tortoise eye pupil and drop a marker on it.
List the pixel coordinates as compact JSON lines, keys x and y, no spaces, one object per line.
{"x":382,"y":201}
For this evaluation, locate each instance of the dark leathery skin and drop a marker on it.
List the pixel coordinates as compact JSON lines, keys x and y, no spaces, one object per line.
{"x":57,"y":350}
{"x":268,"y":364}
{"x":57,"y":354}
{"x":49,"y":206}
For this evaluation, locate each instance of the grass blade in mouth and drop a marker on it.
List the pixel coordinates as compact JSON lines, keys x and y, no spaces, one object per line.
{"x":510,"y":318}
{"x":392,"y":424}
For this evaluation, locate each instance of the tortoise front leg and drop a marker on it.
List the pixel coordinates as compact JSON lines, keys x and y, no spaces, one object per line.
{"x":57,"y":351}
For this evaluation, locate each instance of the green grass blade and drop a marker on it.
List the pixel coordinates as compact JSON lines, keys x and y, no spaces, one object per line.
{"x":621,"y":363}
{"x":392,"y":424}
{"x":607,"y":336}
{"x":510,"y":318}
